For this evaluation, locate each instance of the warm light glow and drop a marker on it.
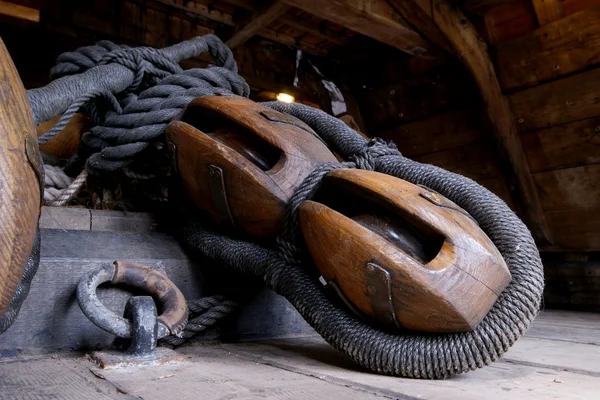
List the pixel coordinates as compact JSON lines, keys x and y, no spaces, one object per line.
{"x":285,"y":98}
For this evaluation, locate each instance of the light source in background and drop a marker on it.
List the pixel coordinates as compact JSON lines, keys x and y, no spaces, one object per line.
{"x":285,"y":98}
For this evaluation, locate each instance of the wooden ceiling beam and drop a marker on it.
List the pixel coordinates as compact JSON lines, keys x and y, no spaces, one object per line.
{"x":473,"y":52}
{"x":200,"y":10}
{"x":256,"y":22}
{"x":19,"y":11}
{"x":314,"y":30}
{"x":373,"y":18}
{"x":547,"y":11}
{"x":227,"y":19}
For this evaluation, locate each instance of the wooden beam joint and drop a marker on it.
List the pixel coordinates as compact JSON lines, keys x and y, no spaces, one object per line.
{"x":259,"y":20}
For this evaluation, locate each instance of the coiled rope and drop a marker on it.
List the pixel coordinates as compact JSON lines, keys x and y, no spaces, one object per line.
{"x":121,"y":89}
{"x":127,"y":131}
{"x":433,"y":356}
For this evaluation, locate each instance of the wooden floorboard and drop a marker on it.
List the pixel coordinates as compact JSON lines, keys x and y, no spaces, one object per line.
{"x":307,"y":368}
{"x":500,"y":380}
{"x":576,"y":327}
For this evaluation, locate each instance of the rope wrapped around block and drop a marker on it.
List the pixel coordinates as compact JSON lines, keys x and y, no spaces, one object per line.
{"x":414,"y":355}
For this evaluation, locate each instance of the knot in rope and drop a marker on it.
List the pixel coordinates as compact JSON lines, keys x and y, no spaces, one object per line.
{"x":375,"y":148}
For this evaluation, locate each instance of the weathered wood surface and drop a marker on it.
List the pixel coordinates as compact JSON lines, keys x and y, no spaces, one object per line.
{"x":559,"y":102}
{"x":391,"y":99}
{"x":65,"y":144}
{"x":572,"y":285}
{"x":441,"y":132}
{"x":472,"y":51}
{"x":569,"y":188}
{"x":19,"y":184}
{"x":75,"y":241}
{"x":362,"y":224}
{"x":375,"y":19}
{"x":256,"y":22}
{"x":563,"y":364}
{"x":564,"y":146}
{"x":568,"y":326}
{"x":575,"y":229}
{"x":558,"y":49}
{"x":240,"y":161}
{"x":472,"y":161}
{"x":547,"y":11}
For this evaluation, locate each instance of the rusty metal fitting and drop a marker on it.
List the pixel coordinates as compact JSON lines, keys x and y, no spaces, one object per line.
{"x":173,"y":305}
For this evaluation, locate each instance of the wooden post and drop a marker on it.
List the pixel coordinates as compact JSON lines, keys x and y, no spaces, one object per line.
{"x":472,"y":51}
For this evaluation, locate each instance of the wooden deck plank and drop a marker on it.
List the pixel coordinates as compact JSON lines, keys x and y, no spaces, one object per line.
{"x":212,"y":373}
{"x":496,"y":381}
{"x":563,"y":356}
{"x":568,"y":326}
{"x":52,"y":378}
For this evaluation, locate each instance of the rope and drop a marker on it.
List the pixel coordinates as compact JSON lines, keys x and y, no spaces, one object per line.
{"x":12,"y":311}
{"x":160,"y":89}
{"x":59,"y":188}
{"x":203,"y":314}
{"x":433,"y":356}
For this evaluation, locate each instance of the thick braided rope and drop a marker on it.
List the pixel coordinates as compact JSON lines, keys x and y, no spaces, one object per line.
{"x":122,"y":136}
{"x":432,"y":356}
{"x":160,"y":89}
{"x":203,"y":314}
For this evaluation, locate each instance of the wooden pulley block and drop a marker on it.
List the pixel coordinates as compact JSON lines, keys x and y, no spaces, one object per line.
{"x":402,"y":254}
{"x":241,"y":161}
{"x":21,"y":183}
{"x":66,"y":143}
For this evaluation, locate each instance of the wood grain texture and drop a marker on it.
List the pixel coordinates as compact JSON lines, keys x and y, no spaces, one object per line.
{"x":375,"y":19}
{"x":20,"y":199}
{"x":568,"y":326}
{"x":259,"y":20}
{"x":445,"y":272}
{"x":564,"y":146}
{"x":547,"y":11}
{"x":559,"y":102}
{"x":575,"y":229}
{"x":263,"y":155}
{"x":441,"y":132}
{"x":569,"y":188}
{"x":65,"y":144}
{"x":472,"y":51}
{"x":559,"y":49}
{"x":472,"y":161}
{"x":572,"y":285}
{"x":544,"y":373}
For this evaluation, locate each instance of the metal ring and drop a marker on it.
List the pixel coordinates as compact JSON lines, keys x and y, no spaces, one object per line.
{"x":173,"y":304}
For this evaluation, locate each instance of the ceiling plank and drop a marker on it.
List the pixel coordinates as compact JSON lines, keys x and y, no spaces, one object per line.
{"x":473,"y":52}
{"x":309,"y":27}
{"x":19,"y":11}
{"x":256,"y":22}
{"x":547,"y":11}
{"x":373,"y":18}
{"x":201,"y":10}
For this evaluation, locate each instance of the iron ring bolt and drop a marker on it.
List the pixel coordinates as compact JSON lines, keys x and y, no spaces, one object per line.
{"x":175,"y":312}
